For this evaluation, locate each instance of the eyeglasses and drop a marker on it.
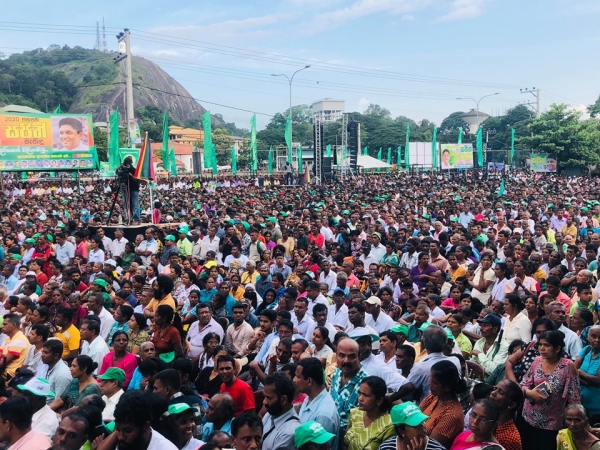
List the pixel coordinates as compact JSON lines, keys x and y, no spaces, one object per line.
{"x":475,"y":418}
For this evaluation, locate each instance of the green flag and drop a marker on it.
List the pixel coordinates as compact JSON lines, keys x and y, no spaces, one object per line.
{"x":57,"y":109}
{"x":328,"y":151}
{"x":270,"y":161}
{"x":172,"y":162}
{"x":253,"y":150}
{"x":434,"y":155}
{"x":288,"y":137}
{"x":214,"y":160}
{"x":379,"y":158}
{"x":501,"y":190}
{"x":165,"y":142}
{"x":512,"y":145}
{"x":479,"y":147}
{"x":207,"y":128}
{"x":233,"y":160}
{"x":398,"y":158}
{"x":407,"y":148}
{"x":300,"y":162}
{"x":389,"y":158}
{"x":366,"y":151}
{"x":460,"y":133}
{"x":113,"y":142}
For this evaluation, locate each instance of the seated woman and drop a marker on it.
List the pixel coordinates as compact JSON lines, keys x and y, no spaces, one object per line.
{"x":577,"y":435}
{"x":483,"y":421}
{"x":120,"y":357}
{"x":82,"y":384}
{"x":408,"y":420}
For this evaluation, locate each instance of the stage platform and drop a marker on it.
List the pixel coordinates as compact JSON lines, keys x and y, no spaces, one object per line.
{"x":131,"y":231}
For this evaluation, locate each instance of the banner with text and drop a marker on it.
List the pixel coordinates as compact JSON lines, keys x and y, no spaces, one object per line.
{"x":456,"y":156}
{"x":47,"y":142}
{"x":542,"y":162}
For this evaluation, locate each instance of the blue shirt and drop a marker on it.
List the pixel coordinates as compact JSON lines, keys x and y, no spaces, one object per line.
{"x":209,"y":428}
{"x":346,"y":397}
{"x":590,"y":394}
{"x":206,"y":297}
{"x":136,"y":380}
{"x":116,"y":327}
{"x":322,"y":410}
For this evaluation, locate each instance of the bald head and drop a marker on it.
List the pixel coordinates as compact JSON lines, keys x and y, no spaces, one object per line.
{"x":347,"y":357}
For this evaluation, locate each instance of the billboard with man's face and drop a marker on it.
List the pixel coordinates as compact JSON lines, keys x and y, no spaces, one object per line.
{"x":542,"y":162}
{"x":456,"y":156}
{"x":47,"y":142}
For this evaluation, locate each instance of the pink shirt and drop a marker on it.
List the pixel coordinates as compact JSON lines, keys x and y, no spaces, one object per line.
{"x":32,"y":441}
{"x":563,"y":298}
{"x":128,"y":364}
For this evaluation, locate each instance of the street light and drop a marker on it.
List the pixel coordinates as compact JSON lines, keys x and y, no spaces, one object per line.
{"x":477,"y":102}
{"x":290,"y":80}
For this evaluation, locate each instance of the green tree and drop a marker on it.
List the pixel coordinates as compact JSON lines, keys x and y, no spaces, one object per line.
{"x":376,"y":110}
{"x":222,"y":142}
{"x":594,"y":109}
{"x":448,"y":130}
{"x":561,"y":132}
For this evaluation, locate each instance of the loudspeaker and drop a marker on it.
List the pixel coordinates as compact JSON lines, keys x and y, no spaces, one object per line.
{"x":196,"y":163}
{"x":353,"y":143}
{"x":327,"y":168}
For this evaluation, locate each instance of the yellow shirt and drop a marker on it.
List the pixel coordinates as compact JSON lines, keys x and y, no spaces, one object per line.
{"x":572,"y":231}
{"x":17,"y":346}
{"x":70,"y":339}
{"x":246,"y":278}
{"x":154,"y":303}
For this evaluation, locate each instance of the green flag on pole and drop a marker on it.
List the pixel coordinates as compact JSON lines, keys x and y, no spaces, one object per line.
{"x":300,"y":162}
{"x":479,"y":146}
{"x":379,"y":158}
{"x":328,"y":151}
{"x":253,"y":149}
{"x":207,"y":128}
{"x":407,"y":149}
{"x":501,"y":190}
{"x":366,"y":151}
{"x":214,"y":160}
{"x":270,"y":161}
{"x":172,"y":162}
{"x":398,"y":158}
{"x":460,"y":133}
{"x":233,"y":160}
{"x":389,"y":157}
{"x":434,"y":155}
{"x":113,"y":142}
{"x":288,"y":137}
{"x":57,"y":109}
{"x":512,"y":146}
{"x":165,"y":142}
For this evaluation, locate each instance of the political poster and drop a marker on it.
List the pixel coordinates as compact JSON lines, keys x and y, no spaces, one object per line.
{"x":456,"y":156}
{"x":134,"y":132}
{"x":495,"y":167}
{"x":542,"y":162}
{"x":133,"y":152}
{"x":47,"y":142}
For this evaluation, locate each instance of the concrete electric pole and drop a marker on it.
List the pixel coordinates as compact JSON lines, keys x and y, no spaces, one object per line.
{"x":536,"y":93}
{"x":125,"y":54}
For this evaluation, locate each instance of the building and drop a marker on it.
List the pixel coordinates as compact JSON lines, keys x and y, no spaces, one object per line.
{"x":474,"y":118}
{"x":185,"y":135}
{"x":183,"y":153}
{"x":328,"y":109}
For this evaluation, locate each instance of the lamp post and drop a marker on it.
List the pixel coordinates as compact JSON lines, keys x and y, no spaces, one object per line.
{"x":290,"y":80}
{"x":477,"y":101}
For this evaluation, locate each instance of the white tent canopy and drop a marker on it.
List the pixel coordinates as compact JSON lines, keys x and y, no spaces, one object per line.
{"x":368,"y":162}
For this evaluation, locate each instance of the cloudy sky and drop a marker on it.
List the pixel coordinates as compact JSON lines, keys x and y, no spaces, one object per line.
{"x":413,"y":57}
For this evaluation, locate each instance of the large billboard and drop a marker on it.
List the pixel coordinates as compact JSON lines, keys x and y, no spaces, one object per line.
{"x":456,"y":156}
{"x":542,"y":162}
{"x":47,"y":142}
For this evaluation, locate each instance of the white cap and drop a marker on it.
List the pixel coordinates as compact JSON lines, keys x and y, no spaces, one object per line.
{"x":31,"y":273}
{"x":111,"y":262}
{"x":360,"y":332}
{"x":37,"y":386}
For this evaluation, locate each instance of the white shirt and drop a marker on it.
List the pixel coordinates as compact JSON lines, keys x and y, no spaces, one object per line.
{"x":377,"y":367}
{"x":339,"y":318}
{"x":330,"y":280}
{"x":518,"y":328}
{"x":572,"y":342}
{"x":45,"y":422}
{"x":144,"y":246}
{"x":377,"y":253}
{"x":383,"y":322}
{"x":392,"y":362}
{"x":108,"y":413}
{"x":97,"y":350}
{"x":303,"y":324}
{"x":106,"y":321}
{"x":311,"y":303}
{"x":207,"y":245}
{"x":118,"y":247}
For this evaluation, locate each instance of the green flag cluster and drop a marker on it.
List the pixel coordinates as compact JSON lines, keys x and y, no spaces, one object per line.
{"x":210,"y":157}
{"x":253,"y":149}
{"x":270,"y":161}
{"x":479,"y":146}
{"x":165,"y":142}
{"x":172,"y":162}
{"x":434,"y":152}
{"x":233,"y":160}
{"x":113,"y":142}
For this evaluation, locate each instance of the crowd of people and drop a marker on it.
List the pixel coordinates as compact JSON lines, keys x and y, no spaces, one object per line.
{"x":383,"y":311}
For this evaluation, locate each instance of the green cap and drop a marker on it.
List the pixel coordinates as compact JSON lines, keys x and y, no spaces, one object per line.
{"x":15,"y":256}
{"x":30,"y":241}
{"x":346,"y":212}
{"x":184,"y":229}
{"x":311,"y":432}
{"x":167,"y":357}
{"x":426,"y":216}
{"x":399,"y":328}
{"x":583,"y":208}
{"x":457,"y":198}
{"x":246,"y":225}
{"x":179,"y":408}
{"x":170,"y":237}
{"x":50,"y":237}
{"x":455,"y":219}
{"x":407,"y":414}
{"x":424,"y":326}
{"x":37,"y":386}
{"x":37,"y":235}
{"x":273,"y":220}
{"x":100,"y":282}
{"x":449,"y":333}
{"x":113,"y":374}
{"x":284,"y":214}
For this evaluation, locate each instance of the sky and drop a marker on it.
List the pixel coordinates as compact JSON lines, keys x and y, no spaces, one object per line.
{"x":413,"y":57}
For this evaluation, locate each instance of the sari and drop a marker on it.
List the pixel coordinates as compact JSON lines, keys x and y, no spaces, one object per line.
{"x":564,"y":441}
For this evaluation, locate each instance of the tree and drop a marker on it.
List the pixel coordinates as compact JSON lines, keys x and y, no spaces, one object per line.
{"x":449,"y":129}
{"x":376,"y":110}
{"x":561,"y":132}
{"x":101,"y":142}
{"x":222,"y":142}
{"x":594,"y":109}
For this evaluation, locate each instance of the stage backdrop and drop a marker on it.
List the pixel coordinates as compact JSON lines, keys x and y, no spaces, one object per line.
{"x":47,"y":142}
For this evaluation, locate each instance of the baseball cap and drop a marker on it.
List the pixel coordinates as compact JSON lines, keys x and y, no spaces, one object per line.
{"x":110,"y":262}
{"x":361,"y":332}
{"x":399,"y":328}
{"x":354,"y":288}
{"x":424,"y":326}
{"x":179,"y":408}
{"x":183,"y":229}
{"x":491,"y":319}
{"x":31,"y":273}
{"x":407,"y":414}
{"x":15,"y":256}
{"x":311,"y":432}
{"x":210,"y":264}
{"x":449,"y":333}
{"x":30,"y":241}
{"x":373,"y":301}
{"x":339,"y":291}
{"x":113,"y":374}
{"x":170,"y":237}
{"x":37,"y":386}
{"x":271,"y":219}
{"x":101,"y":283}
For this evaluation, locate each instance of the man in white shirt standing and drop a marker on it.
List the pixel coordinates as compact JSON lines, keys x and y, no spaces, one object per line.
{"x":147,"y":247}
{"x":117,"y":246}
{"x":314,"y":296}
{"x":337,"y":313}
{"x":374,"y":318}
{"x":328,"y":276}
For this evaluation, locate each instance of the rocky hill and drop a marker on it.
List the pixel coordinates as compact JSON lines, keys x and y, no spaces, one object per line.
{"x":83,"y":80}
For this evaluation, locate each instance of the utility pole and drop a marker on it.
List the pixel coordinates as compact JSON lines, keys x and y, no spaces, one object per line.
{"x":125,"y":54}
{"x":536,"y":93}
